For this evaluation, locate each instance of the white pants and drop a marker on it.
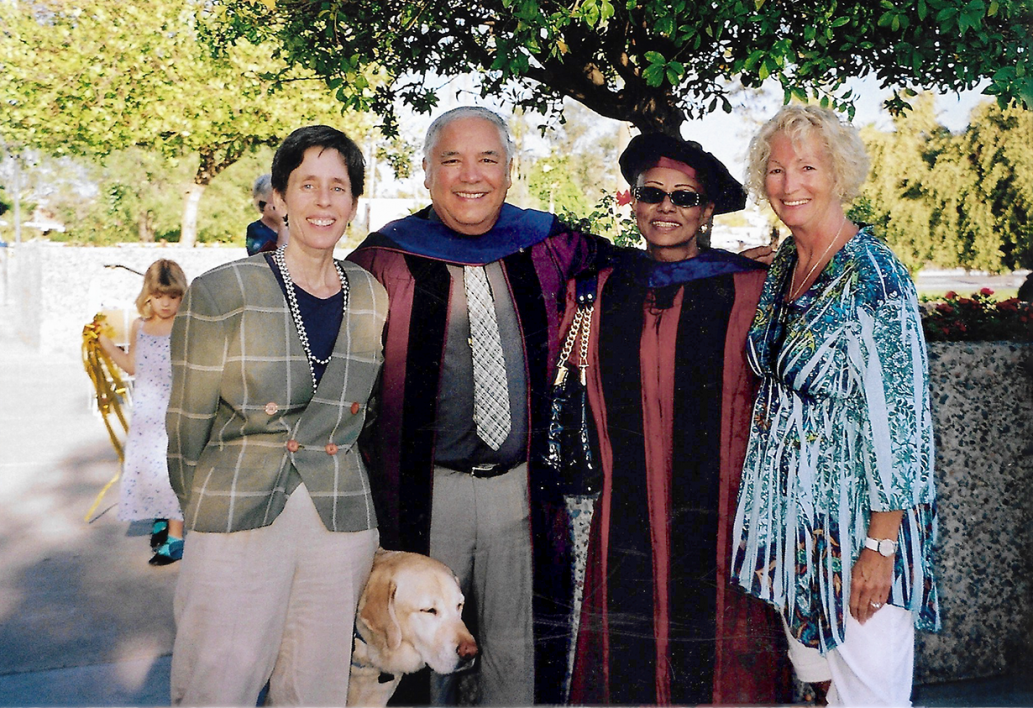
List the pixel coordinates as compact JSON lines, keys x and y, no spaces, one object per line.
{"x":480,"y":528}
{"x":874,"y":666}
{"x":271,"y":604}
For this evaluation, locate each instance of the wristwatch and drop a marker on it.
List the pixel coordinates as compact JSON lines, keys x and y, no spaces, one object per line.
{"x":884,"y":546}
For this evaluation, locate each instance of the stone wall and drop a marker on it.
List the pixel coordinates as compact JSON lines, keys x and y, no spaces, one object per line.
{"x":56,"y":289}
{"x":982,"y":396}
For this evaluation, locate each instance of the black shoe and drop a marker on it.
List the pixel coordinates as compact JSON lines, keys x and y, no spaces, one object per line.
{"x":159,"y":533}
{"x":168,"y":553}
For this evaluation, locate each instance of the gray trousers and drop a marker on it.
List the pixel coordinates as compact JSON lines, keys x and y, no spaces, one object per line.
{"x":480,"y":528}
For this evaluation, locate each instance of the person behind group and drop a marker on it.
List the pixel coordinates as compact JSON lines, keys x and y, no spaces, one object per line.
{"x":836,"y":518}
{"x":670,"y":394}
{"x":446,"y":488}
{"x":145,"y":492}
{"x":274,"y":359}
{"x":269,"y":231}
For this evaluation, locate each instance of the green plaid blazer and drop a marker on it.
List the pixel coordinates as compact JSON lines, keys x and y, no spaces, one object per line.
{"x":245,"y":426}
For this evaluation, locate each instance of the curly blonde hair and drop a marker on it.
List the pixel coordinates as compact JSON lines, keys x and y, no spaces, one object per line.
{"x":163,"y":277}
{"x":799,"y":122}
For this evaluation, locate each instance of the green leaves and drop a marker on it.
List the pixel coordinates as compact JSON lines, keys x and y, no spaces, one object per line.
{"x":596,"y":12}
{"x":645,"y":61}
{"x":659,"y":70}
{"x":954,"y":200}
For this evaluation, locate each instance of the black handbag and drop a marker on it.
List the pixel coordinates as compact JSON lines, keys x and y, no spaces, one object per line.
{"x":569,"y":460}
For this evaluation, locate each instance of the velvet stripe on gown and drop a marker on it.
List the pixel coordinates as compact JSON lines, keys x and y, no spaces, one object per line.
{"x":663,"y":399}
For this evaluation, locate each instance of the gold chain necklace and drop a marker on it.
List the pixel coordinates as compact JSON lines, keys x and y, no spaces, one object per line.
{"x":792,"y":283}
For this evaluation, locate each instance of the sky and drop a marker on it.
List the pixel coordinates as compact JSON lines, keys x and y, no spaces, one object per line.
{"x":728,"y":135}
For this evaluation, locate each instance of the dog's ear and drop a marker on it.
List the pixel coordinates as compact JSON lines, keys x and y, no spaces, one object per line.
{"x":373,"y":607}
{"x":393,"y":629}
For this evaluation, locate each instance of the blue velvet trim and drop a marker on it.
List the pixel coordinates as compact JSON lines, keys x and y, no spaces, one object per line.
{"x":515,"y":230}
{"x":709,"y":263}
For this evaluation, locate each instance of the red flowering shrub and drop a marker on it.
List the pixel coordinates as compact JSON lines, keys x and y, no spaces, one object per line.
{"x":977,"y":318}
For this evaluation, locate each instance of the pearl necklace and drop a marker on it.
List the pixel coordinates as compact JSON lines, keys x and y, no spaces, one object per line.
{"x":292,"y":301}
{"x":792,"y":282}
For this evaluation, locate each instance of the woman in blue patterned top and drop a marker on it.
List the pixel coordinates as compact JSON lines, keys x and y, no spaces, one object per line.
{"x":836,"y":518}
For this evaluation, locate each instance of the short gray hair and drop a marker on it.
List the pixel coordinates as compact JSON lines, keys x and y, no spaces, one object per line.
{"x":262,"y":186}
{"x":439,"y":123}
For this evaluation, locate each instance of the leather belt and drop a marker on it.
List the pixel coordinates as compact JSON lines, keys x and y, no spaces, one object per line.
{"x":483,"y":471}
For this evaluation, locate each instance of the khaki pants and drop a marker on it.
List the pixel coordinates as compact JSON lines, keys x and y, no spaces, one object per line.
{"x":272,"y":604}
{"x":480,"y":528}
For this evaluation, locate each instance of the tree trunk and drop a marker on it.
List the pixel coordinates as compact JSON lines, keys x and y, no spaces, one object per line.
{"x":188,"y":229}
{"x":144,"y":227}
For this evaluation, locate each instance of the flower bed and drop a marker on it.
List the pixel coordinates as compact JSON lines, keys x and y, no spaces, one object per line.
{"x":978,"y":318}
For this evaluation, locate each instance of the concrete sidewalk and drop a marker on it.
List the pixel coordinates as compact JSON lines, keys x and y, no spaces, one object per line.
{"x":84,"y":620}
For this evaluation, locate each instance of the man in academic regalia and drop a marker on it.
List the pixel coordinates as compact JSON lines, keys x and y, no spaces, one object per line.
{"x":476,"y":288}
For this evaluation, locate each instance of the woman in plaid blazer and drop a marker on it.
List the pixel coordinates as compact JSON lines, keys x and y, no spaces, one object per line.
{"x":274,"y":361}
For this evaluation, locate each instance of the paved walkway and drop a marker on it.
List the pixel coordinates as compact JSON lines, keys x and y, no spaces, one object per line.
{"x":84,"y":620}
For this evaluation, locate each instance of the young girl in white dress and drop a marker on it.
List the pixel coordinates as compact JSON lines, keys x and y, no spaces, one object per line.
{"x":145,"y":491}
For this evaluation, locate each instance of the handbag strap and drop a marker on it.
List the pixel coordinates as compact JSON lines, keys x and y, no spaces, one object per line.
{"x":584,"y":292}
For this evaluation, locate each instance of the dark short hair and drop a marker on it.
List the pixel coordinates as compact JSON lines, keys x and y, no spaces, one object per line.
{"x":291,"y":154}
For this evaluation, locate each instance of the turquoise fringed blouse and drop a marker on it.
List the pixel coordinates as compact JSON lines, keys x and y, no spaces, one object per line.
{"x":841,"y":427}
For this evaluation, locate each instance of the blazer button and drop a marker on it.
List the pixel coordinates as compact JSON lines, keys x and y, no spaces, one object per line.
{"x":271,"y":408}
{"x":331,"y":449}
{"x":293,"y":445}
{"x":356,"y":408}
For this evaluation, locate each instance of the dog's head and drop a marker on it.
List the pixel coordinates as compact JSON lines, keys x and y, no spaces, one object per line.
{"x":410,"y":614}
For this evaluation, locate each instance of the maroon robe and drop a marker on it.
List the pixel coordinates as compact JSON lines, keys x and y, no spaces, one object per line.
{"x":675,"y":617}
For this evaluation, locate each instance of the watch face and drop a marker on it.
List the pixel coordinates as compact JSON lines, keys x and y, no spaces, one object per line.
{"x":886,"y":547}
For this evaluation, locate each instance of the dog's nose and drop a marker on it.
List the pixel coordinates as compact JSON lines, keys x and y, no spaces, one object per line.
{"x":467,"y":649}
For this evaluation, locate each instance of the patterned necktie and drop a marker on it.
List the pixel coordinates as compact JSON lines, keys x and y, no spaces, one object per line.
{"x":490,"y":390}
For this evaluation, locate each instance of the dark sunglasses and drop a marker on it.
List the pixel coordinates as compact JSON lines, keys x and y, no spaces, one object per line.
{"x":679,"y":197}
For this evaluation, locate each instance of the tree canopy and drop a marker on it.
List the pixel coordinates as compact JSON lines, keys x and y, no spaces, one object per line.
{"x":649,"y":62}
{"x":954,"y":200}
{"x":92,"y":77}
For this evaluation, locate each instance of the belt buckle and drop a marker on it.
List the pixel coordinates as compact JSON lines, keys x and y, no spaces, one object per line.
{"x":474,"y":469}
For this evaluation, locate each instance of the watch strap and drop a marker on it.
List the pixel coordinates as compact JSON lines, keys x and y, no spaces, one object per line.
{"x":880,"y":545}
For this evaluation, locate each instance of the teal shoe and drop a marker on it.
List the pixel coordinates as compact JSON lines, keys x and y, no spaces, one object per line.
{"x":168,"y":552}
{"x":159,"y":533}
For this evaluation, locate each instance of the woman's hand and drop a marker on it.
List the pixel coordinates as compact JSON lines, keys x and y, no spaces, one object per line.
{"x":761,"y":254}
{"x":872,"y":575}
{"x":870,"y":583}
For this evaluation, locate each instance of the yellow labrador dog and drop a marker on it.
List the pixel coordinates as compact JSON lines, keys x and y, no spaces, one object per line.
{"x":409,"y":616}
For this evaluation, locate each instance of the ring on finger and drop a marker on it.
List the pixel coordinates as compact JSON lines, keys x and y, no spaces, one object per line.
{"x":876,"y":605}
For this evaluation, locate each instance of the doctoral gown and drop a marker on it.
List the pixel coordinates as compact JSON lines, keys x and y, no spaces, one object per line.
{"x":538,"y":255}
{"x":671,"y":395}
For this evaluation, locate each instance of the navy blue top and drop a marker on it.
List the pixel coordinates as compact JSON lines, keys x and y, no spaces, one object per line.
{"x":259,"y":238}
{"x":322,"y":318}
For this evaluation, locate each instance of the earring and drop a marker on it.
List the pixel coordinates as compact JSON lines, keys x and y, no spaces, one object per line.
{"x":703,"y":228}
{"x":286,"y":221}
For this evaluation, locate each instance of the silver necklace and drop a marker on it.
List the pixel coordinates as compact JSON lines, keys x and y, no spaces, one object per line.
{"x":292,"y":300}
{"x":792,"y":282}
